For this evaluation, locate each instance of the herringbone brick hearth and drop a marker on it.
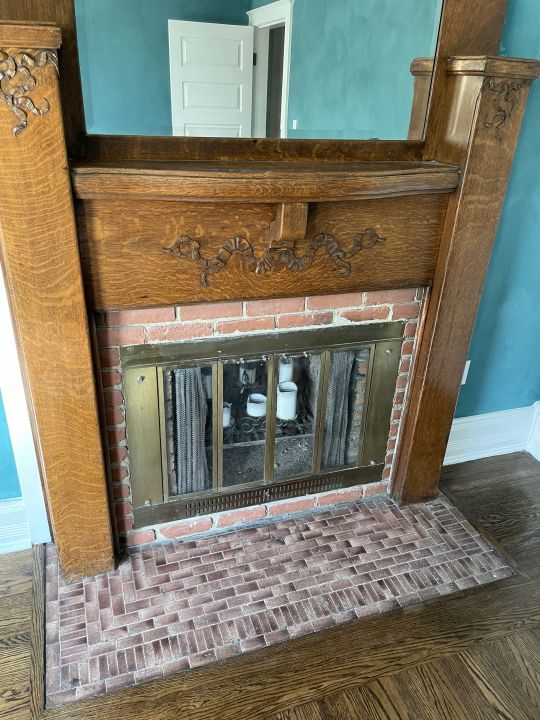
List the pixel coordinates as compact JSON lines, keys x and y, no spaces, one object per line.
{"x":177,"y":606}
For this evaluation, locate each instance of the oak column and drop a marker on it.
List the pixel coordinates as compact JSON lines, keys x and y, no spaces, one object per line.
{"x":482,"y":110}
{"x":39,"y":252}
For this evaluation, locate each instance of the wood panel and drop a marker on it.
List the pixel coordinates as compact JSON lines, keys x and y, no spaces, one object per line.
{"x":30,"y":35}
{"x":470,"y":226}
{"x":125,"y":266}
{"x":38,"y":247}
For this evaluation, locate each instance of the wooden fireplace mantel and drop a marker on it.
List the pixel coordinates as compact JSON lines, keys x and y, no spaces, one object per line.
{"x":255,"y":181}
{"x":141,"y":222}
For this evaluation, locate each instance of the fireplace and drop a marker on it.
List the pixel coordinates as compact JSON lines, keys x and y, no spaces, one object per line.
{"x":110,"y":223}
{"x":180,"y":466}
{"x":216,"y":425}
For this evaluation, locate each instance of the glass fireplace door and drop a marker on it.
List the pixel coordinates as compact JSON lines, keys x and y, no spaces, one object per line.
{"x":310,"y":412}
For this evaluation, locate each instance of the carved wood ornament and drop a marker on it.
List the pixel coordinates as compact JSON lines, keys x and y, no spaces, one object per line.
{"x":505,"y":100}
{"x":273,"y":256}
{"x":17,"y":82}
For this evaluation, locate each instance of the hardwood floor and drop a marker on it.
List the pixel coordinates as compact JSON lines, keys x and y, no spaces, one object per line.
{"x":472,"y":655}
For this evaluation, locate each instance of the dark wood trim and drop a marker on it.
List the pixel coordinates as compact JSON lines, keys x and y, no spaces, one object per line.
{"x":260,"y":182}
{"x":488,"y":66}
{"x":37,"y":634}
{"x":422,"y":72}
{"x":137,"y":148}
{"x":487,"y":141}
{"x":40,"y":258}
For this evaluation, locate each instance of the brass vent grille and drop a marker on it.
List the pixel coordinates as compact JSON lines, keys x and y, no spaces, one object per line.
{"x":206,"y":505}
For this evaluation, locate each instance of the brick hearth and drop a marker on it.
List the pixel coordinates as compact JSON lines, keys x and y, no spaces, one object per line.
{"x":176,"y":606}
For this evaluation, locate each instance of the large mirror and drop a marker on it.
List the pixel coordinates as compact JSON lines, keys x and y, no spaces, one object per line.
{"x":325,"y":69}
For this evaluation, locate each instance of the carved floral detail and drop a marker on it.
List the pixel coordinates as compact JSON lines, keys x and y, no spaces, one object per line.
{"x":17,"y":82}
{"x":188,"y":248}
{"x":505,"y":100}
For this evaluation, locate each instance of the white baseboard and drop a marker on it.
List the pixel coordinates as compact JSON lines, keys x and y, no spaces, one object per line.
{"x":14,"y":531}
{"x":498,"y":433}
{"x":533,"y":442}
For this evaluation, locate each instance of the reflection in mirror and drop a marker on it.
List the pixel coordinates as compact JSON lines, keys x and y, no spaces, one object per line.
{"x":323,"y":69}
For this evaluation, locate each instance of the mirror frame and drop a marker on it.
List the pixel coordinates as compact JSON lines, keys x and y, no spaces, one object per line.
{"x":466,"y":28}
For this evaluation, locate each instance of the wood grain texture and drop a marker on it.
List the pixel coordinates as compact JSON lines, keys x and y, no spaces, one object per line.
{"x":62,"y":14}
{"x":38,"y":247}
{"x":467,"y":28}
{"x":493,"y":66}
{"x":34,"y":35}
{"x":124,"y":264}
{"x":290,"y":224}
{"x":267,"y":182}
{"x":16,"y":600}
{"x":470,"y":227}
{"x":125,"y":149}
{"x":503,"y":500}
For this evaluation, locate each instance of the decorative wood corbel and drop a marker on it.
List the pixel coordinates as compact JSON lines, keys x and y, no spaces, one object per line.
{"x":290,"y":225}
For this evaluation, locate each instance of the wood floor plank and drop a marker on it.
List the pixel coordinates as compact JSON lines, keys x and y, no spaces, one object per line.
{"x":444,"y":689}
{"x":359,"y":703}
{"x":15,"y":612}
{"x":15,"y":685}
{"x":501,"y":496}
{"x":310,"y":711}
{"x":15,"y":573}
{"x":510,"y":669}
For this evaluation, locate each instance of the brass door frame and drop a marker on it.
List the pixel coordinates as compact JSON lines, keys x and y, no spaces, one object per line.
{"x":145,"y":415}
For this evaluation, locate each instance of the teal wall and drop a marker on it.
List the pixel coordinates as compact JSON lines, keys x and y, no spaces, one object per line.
{"x":350,"y":62}
{"x":9,"y":482}
{"x":349,"y":67}
{"x":505,"y":350}
{"x":124,"y":57}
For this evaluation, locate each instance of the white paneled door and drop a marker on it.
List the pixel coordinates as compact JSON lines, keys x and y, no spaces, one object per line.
{"x":211,"y":79}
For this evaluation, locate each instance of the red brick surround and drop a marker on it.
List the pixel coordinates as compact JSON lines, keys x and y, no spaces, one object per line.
{"x":134,"y":327}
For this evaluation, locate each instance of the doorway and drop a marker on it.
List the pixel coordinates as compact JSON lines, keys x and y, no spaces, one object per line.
{"x":272,"y":46}
{"x":275,"y":81}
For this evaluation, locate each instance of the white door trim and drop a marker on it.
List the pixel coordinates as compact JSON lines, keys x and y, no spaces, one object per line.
{"x":263,"y":19}
{"x":20,"y":431}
